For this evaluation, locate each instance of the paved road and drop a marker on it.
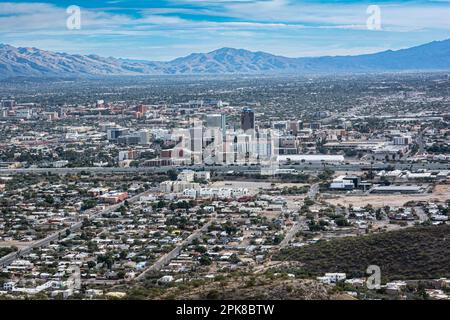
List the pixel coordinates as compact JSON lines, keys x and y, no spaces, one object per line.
{"x":313,"y":191}
{"x":8,"y":259}
{"x":349,"y":166}
{"x":101,"y":282}
{"x":291,"y":233}
{"x":421,"y":214}
{"x":421,"y":143}
{"x":165,"y":259}
{"x":312,"y":194}
{"x":162,"y":261}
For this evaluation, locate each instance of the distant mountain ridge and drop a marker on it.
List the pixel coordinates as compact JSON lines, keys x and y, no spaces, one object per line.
{"x":32,"y":62}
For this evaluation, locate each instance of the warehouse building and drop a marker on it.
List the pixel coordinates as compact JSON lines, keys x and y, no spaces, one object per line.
{"x":407,"y":189}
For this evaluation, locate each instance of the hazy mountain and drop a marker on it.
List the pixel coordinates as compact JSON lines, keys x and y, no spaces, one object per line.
{"x":39,"y":63}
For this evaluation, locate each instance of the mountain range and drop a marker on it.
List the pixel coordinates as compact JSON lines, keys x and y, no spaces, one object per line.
{"x":33,"y":62}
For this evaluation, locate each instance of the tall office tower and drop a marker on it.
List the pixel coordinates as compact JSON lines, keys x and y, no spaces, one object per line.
{"x":247,"y":119}
{"x":216,"y":121}
{"x":196,"y":137}
{"x":294,"y":127}
{"x":144,"y":136}
{"x":280,"y":125}
{"x":315,"y":125}
{"x":142,"y":108}
{"x":8,"y":104}
{"x":114,"y":133}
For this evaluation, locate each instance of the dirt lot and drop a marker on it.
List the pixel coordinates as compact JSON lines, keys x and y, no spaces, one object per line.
{"x":440,"y":193}
{"x":252,"y":186}
{"x":18,"y":244}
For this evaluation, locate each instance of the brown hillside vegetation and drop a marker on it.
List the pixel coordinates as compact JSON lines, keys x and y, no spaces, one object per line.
{"x":413,"y":253}
{"x":259,"y":287}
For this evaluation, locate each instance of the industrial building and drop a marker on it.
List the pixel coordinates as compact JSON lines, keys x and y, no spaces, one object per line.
{"x":399,"y":189}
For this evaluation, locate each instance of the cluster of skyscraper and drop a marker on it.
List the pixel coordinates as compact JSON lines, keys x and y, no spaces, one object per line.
{"x":214,"y":144}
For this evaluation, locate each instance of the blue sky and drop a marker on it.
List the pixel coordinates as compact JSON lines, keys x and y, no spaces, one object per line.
{"x":163,"y":30}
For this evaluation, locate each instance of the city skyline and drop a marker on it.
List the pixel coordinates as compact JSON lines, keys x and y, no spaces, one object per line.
{"x":224,"y":157}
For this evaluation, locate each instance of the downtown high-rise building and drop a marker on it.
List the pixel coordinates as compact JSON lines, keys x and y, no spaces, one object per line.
{"x":216,"y":121}
{"x":247,"y":119}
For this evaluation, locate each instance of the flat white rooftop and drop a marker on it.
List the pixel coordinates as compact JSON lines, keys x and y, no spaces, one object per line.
{"x":403,"y":188}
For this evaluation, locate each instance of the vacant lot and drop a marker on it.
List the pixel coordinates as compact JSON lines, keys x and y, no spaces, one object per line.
{"x":253,"y":186}
{"x":412,"y":253}
{"x":440,"y":193}
{"x":13,"y":243}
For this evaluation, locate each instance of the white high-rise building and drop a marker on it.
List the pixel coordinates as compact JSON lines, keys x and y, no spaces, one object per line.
{"x":216,"y":121}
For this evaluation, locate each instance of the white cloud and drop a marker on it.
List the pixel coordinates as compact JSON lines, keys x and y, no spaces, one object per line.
{"x":269,"y":14}
{"x":278,"y":26}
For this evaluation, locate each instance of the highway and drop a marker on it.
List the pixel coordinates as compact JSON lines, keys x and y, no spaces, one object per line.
{"x":314,"y":166}
{"x":8,"y":259}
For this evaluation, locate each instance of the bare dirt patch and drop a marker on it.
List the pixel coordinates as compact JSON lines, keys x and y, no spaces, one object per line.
{"x":440,"y":193}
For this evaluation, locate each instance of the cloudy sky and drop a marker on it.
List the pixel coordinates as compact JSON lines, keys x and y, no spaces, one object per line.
{"x":163,"y":30}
